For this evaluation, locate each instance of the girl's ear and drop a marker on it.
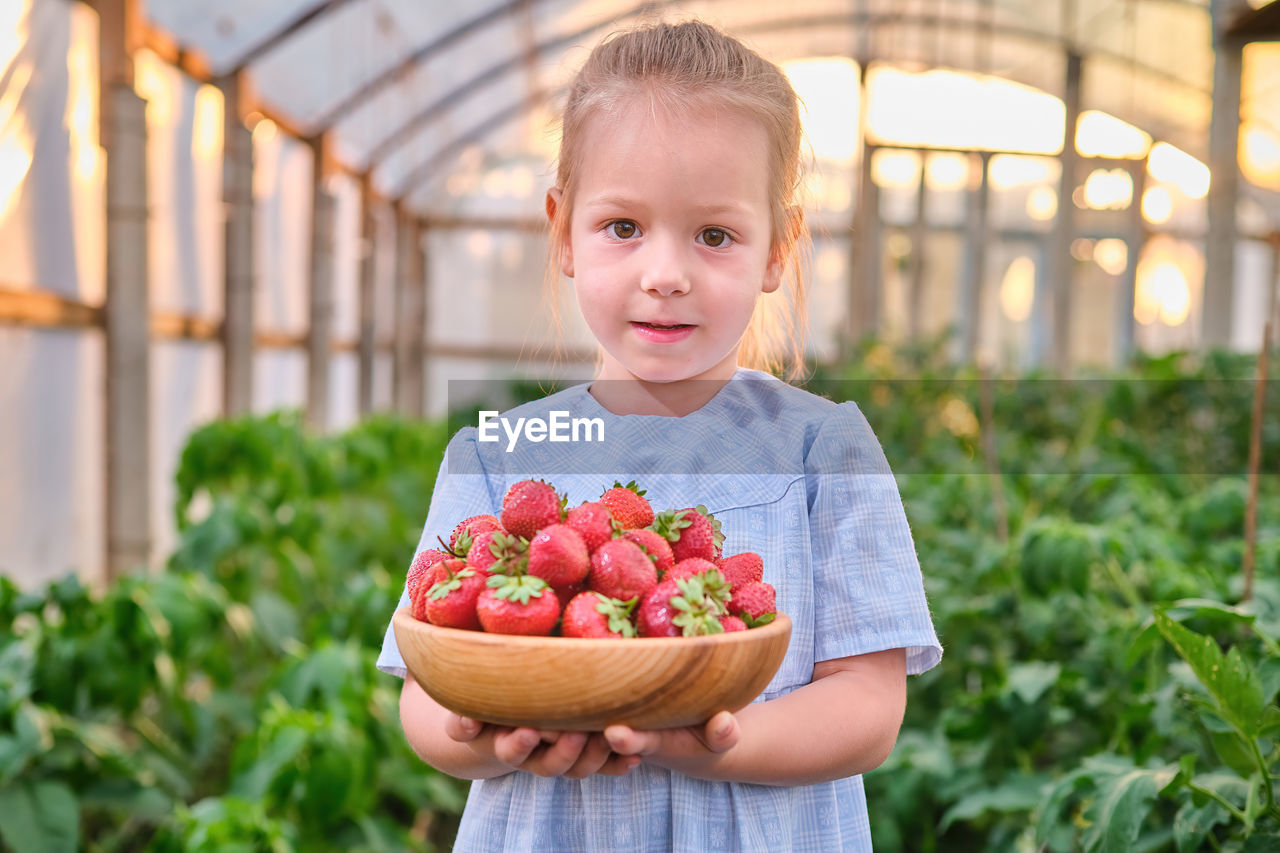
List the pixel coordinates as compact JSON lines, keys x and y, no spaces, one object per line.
{"x":782,"y":249}
{"x":566,"y":249}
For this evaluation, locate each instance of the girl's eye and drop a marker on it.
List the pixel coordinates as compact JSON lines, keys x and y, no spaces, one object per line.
{"x":621,"y":229}
{"x":715,"y":238}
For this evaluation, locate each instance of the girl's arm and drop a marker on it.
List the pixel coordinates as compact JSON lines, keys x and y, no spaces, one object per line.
{"x":469,"y":750}
{"x":843,"y":723}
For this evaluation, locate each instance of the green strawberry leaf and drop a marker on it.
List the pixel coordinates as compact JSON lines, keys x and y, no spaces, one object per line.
{"x":752,"y":622}
{"x":1232,"y":683}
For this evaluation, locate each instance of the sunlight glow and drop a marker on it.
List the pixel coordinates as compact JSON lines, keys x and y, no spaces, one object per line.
{"x":946,"y":171}
{"x":1100,"y":134}
{"x":1042,"y":204}
{"x":1175,"y":166}
{"x":1108,"y":189}
{"x":1162,"y":293}
{"x":82,"y":109}
{"x":1112,"y":255}
{"x":1260,"y":155}
{"x":154,"y":83}
{"x":1018,"y":289}
{"x":950,"y":109}
{"x":895,"y":168}
{"x":1157,"y":205}
{"x":207,"y":124}
{"x":828,"y":88}
{"x":15,"y":161}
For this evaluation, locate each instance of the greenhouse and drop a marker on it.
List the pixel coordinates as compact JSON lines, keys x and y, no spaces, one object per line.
{"x":260,"y":260}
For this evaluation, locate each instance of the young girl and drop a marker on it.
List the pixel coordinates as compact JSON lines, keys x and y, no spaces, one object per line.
{"x":674,"y":214}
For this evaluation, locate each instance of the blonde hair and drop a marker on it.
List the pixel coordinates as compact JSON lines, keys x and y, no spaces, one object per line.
{"x":694,"y":65}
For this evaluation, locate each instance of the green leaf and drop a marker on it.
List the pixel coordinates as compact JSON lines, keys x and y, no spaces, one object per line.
{"x":1192,"y":823}
{"x":282,"y":750}
{"x":43,"y":817}
{"x":1031,"y":679}
{"x":1014,"y":796}
{"x":1231,"y":682}
{"x":1121,"y":806}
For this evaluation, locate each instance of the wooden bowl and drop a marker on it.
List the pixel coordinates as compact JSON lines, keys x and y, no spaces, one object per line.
{"x":572,"y":684}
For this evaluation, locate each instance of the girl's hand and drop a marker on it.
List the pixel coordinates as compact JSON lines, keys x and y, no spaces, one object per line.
{"x":575,"y":755}
{"x":680,"y":749}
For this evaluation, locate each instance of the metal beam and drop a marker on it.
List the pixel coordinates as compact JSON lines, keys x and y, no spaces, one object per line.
{"x":1060,"y":263}
{"x":292,"y":28}
{"x":335,"y":113}
{"x":1224,"y":189}
{"x":498,"y":118}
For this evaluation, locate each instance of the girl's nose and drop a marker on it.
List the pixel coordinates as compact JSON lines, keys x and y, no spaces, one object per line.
{"x":665,"y":272}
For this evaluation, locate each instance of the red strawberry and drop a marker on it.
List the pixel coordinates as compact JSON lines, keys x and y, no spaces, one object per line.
{"x":451,"y":602}
{"x":713,"y":583}
{"x":658,"y":549}
{"x":518,"y":605}
{"x":690,"y":567}
{"x":628,"y":505}
{"x":529,"y":506}
{"x":679,"y":607}
{"x":755,"y":603}
{"x":567,"y":593}
{"x":742,"y":569}
{"x":558,"y":555}
{"x":495,"y":551}
{"x":421,"y":566}
{"x":732,"y":623}
{"x":467,"y":529}
{"x":594,"y":523}
{"x":692,"y":532}
{"x":619,"y":569}
{"x":590,"y":614}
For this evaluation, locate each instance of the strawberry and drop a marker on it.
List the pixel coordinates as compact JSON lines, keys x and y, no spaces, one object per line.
{"x":679,"y":607}
{"x":619,"y":569}
{"x":742,"y":569}
{"x":518,"y":604}
{"x":692,"y":532}
{"x":558,"y":555}
{"x":421,"y":567}
{"x":467,"y":529}
{"x":628,"y":505}
{"x":451,"y":602}
{"x":495,"y":551}
{"x":713,"y":583}
{"x":732,"y":623}
{"x":755,"y":603}
{"x":530,"y":505}
{"x":567,"y":593}
{"x":590,"y":614}
{"x":658,"y":549}
{"x":594,"y":523}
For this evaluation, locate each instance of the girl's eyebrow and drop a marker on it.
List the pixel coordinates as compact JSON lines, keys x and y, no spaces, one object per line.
{"x":708,"y":209}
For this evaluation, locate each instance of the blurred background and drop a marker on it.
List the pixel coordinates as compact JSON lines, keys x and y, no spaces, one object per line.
{"x":245,"y":245}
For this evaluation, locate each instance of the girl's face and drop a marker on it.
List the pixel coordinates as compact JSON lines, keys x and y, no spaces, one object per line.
{"x":669,"y":240}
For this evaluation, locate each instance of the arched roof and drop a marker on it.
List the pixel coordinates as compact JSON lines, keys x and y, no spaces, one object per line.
{"x":408,"y":89}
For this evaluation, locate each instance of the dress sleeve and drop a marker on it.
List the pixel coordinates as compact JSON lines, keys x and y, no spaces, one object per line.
{"x":462,"y":489}
{"x":868,"y":590}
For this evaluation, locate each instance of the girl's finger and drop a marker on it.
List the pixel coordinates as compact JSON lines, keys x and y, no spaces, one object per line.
{"x":593,"y":757}
{"x":721,"y":732}
{"x":558,"y":757}
{"x":514,"y":746}
{"x":625,"y":740}
{"x":462,"y":729}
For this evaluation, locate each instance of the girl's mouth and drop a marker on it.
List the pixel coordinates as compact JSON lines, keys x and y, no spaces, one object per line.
{"x":663,"y":333}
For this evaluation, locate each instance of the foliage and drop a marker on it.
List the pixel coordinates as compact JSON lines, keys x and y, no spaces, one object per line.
{"x":231,"y":701}
{"x":1100,"y":689}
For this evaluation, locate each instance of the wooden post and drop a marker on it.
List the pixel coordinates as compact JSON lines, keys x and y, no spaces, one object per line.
{"x":1060,"y":260}
{"x":1135,"y":242}
{"x":410,"y":330}
{"x":975,"y":262}
{"x":862,"y":306}
{"x":238,"y":254}
{"x":320,"y":324}
{"x":919,"y":236}
{"x":368,"y":291}
{"x":1224,"y":136}
{"x":126,"y":314}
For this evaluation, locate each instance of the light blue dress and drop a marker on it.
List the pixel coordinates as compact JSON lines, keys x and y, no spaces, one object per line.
{"x":793,"y":476}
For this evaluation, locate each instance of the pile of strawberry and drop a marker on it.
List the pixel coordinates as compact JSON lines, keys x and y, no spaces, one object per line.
{"x":605,"y":568}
